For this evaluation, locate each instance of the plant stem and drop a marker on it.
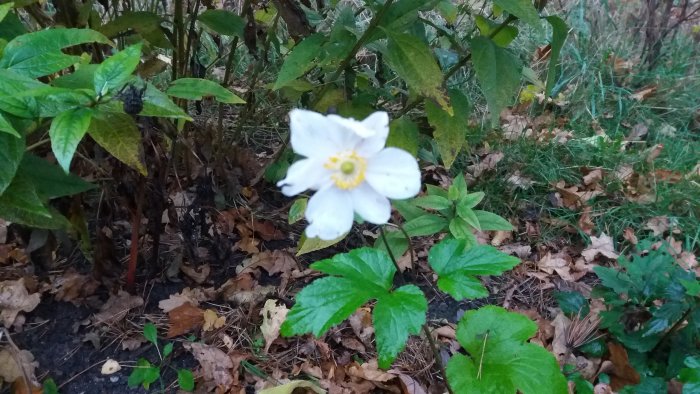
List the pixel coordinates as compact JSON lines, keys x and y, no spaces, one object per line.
{"x":673,"y":329}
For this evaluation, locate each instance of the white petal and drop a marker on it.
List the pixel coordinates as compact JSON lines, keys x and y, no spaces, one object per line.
{"x":329,"y":213}
{"x":358,"y":128}
{"x":302,"y":175}
{"x":314,"y":135}
{"x":394,"y":173}
{"x":379,"y":122}
{"x":372,"y":206}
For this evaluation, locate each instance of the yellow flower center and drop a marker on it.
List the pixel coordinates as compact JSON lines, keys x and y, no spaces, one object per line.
{"x":348,"y":169}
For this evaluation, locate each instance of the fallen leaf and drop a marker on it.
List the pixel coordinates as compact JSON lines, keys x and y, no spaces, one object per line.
{"x":585,"y":222}
{"x":638,"y":131}
{"x":243,"y":289}
{"x":521,"y":250}
{"x":72,"y":286}
{"x":273,"y":317}
{"x":487,"y":163}
{"x":275,"y":262}
{"x":187,"y":295}
{"x":15,"y":366}
{"x":500,"y":237}
{"x":14,"y":298}
{"x":288,"y":388}
{"x":623,"y":374}
{"x":267,"y":230}
{"x":653,"y":152}
{"x":183,"y":319}
{"x":116,"y":307}
{"x":561,"y":264}
{"x":361,"y":323}
{"x":248,"y":245}
{"x":199,"y":274}
{"x":600,"y":245}
{"x":410,"y":385}
{"x":628,"y":235}
{"x":369,"y":371}
{"x":110,"y":366}
{"x":593,"y":177}
{"x":560,"y":348}
{"x":212,"y":321}
{"x":658,"y":224}
{"x":644,"y":93}
{"x":520,"y":181}
{"x":216,"y":365}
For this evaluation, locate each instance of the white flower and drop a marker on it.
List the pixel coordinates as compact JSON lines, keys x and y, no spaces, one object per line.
{"x":347,"y":163}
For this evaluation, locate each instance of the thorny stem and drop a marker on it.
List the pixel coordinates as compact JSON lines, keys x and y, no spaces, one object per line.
{"x":426,"y":329}
{"x":358,"y":45}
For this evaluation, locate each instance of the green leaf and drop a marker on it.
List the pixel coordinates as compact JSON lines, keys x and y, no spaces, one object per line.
{"x":300,"y":60}
{"x":403,"y":134}
{"x":197,"y":88}
{"x":472,"y":199}
{"x":523,"y":9}
{"x":137,"y":374}
{"x":426,"y":224}
{"x":66,"y":132}
{"x":468,"y":215}
{"x":457,"y":265}
{"x":450,"y":128}
{"x":460,"y":229}
{"x":396,"y":240}
{"x":498,"y":73}
{"x":116,"y":69}
{"x":6,"y":126}
{"x":322,"y":304}
{"x":117,"y":133}
{"x":223,"y":22}
{"x":500,"y":360}
{"x":308,"y":245}
{"x":504,"y":37}
{"x":39,"y":53}
{"x":297,"y":210}
{"x":11,"y":152}
{"x":369,"y":267}
{"x":396,"y":316}
{"x":401,"y":15}
{"x":572,"y":303}
{"x":167,"y":349}
{"x":413,"y":61}
{"x":185,"y":379}
{"x":150,"y":375}
{"x":147,"y":24}
{"x":49,"y":385}
{"x":432,"y":202}
{"x":157,"y":103}
{"x":150,"y":332}
{"x":5,"y":9}
{"x":82,"y":78}
{"x":20,"y":203}
{"x":448,"y":11}
{"x":492,"y":222}
{"x":458,"y":188}
{"x":559,"y":32}
{"x":407,"y":209}
{"x":50,"y":180}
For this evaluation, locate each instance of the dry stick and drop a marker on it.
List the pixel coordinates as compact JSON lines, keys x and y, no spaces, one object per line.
{"x":220,"y":123}
{"x":191,"y":37}
{"x":426,"y":329}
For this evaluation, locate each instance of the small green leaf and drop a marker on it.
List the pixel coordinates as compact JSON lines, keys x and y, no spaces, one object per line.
{"x":504,"y":37}
{"x":116,"y":69}
{"x":559,"y":32}
{"x":523,"y":9}
{"x":403,"y":134}
{"x":492,"y":222}
{"x":185,"y":379}
{"x":146,"y":24}
{"x":150,"y":375}
{"x":297,"y":210}
{"x":66,"y":132}
{"x":117,"y":133}
{"x":498,"y":73}
{"x":157,"y":103}
{"x":448,"y":11}
{"x":426,"y":224}
{"x":197,"y":88}
{"x":49,"y":385}
{"x":137,"y":375}
{"x":300,"y":60}
{"x":223,"y":22}
{"x":167,"y":349}
{"x":472,"y":199}
{"x":468,"y":215}
{"x":432,"y":202}
{"x":6,"y":126}
{"x":458,"y":189}
{"x":572,"y":303}
{"x":5,"y":9}
{"x":457,"y":266}
{"x":407,"y":209}
{"x":150,"y":332}
{"x":461,"y":230}
{"x":308,"y":245}
{"x":10,"y":158}
{"x":396,"y":316}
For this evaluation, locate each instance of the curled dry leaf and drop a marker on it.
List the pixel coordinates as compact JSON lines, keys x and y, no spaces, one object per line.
{"x":273,"y":317}
{"x":116,"y":307}
{"x":110,"y":366}
{"x":183,"y":319}
{"x":212,"y":321}
{"x":199,"y":274}
{"x":275,"y":262}
{"x":15,"y":366}
{"x":658,"y":224}
{"x":187,"y":295}
{"x":215,"y":364}
{"x":72,"y":286}
{"x":14,"y":298}
{"x":410,"y":385}
{"x":623,"y":373}
{"x":602,"y":245}
{"x":487,"y":163}
{"x":369,"y":371}
{"x":244,"y":289}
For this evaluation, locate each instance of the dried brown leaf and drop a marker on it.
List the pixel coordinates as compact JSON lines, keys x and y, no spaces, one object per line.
{"x":273,"y":317}
{"x":183,"y":319}
{"x":116,"y":307}
{"x":14,"y":298}
{"x":600,"y":245}
{"x":216,"y":365}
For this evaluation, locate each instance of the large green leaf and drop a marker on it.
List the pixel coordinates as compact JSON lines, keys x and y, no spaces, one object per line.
{"x":401,"y":15}
{"x":498,"y":73}
{"x":457,"y":265}
{"x":492,"y":222}
{"x":523,"y":9}
{"x":20,"y":203}
{"x":426,"y":224}
{"x":11,"y":26}
{"x":365,"y":265}
{"x":66,"y":132}
{"x":12,"y":86}
{"x":147,"y":24}
{"x":299,"y":60}
{"x":413,"y":61}
{"x":504,"y":37}
{"x":197,"y":88}
{"x":403,"y":134}
{"x":500,"y":360}
{"x":39,"y":53}
{"x":396,"y":316}
{"x":116,"y":70}
{"x":6,"y":126}
{"x":223,"y":22}
{"x":5,"y":9}
{"x":82,"y":78}
{"x":49,"y":179}
{"x":157,"y":103}
{"x":11,"y":151}
{"x":450,"y":129}
{"x":559,"y":32}
{"x":117,"y":133}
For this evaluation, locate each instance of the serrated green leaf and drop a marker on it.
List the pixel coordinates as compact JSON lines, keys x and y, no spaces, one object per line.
{"x":66,"y":132}
{"x":413,"y":61}
{"x":322,"y":304}
{"x":185,"y":379}
{"x":500,"y":360}
{"x":157,"y":103}
{"x":498,"y":73}
{"x":308,"y":245}
{"x":368,"y":267}
{"x":300,"y":60}
{"x":456,"y":266}
{"x":50,"y":180}
{"x":117,"y":133}
{"x":223,"y":22}
{"x":403,"y":134}
{"x":396,"y":316}
{"x":468,"y":214}
{"x":297,"y":210}
{"x":559,"y":32}
{"x":432,"y":202}
{"x":504,"y":37}
{"x":150,"y":332}
{"x":197,"y":88}
{"x":450,"y":129}
{"x":523,"y":9}
{"x":433,"y":190}
{"x":491,"y":222}
{"x":82,"y":78}
{"x":10,"y":158}
{"x":426,"y":224}
{"x":116,"y":69}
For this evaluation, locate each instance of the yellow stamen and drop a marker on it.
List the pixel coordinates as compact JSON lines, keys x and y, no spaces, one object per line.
{"x":348,"y":169}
